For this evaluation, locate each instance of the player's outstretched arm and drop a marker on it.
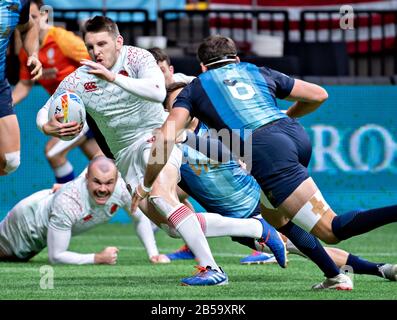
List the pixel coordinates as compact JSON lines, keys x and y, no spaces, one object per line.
{"x":58,"y":243}
{"x":149,"y":86}
{"x":149,"y":83}
{"x":308,"y":97}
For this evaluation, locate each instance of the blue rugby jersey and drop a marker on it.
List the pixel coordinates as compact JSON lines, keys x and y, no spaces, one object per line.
{"x":223,"y":188}
{"x":12,"y":13}
{"x":236,"y":96}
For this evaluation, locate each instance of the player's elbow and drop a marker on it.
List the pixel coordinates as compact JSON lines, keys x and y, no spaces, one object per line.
{"x":160,"y":94}
{"x":321,"y":95}
{"x":55,"y":258}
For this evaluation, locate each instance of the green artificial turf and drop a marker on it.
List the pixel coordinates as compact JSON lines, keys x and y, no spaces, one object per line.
{"x":135,"y":278}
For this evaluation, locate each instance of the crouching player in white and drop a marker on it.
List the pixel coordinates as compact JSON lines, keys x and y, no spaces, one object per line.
{"x":51,"y":219}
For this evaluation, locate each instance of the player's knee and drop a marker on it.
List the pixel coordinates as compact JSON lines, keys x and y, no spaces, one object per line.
{"x":162,"y":206}
{"x":56,"y":161}
{"x":313,"y":217}
{"x":171,"y":231}
{"x":11,"y":162}
{"x":329,"y":238}
{"x":53,"y":159}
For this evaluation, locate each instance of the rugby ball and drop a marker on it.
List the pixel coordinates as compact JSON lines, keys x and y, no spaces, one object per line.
{"x":71,"y":106}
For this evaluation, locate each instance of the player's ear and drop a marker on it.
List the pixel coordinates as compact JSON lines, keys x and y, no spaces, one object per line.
{"x":172,"y":69}
{"x":203,"y":67}
{"x":119,"y":42}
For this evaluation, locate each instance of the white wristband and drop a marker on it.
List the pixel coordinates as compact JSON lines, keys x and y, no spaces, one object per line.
{"x":146,"y":189}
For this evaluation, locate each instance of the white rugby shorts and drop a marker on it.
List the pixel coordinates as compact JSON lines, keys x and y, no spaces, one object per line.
{"x":132,"y":161}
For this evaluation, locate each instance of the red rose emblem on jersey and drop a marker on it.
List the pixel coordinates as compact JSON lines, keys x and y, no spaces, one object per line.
{"x":114,"y":208}
{"x":87,"y":218}
{"x":123,"y":73}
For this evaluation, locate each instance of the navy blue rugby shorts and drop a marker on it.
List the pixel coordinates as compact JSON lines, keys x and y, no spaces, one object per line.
{"x":6,"y":108}
{"x":281,"y":152}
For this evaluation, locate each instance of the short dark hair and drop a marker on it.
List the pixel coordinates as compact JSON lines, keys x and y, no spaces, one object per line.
{"x":217,"y":50}
{"x":160,"y":55}
{"x":170,"y":89}
{"x":101,"y":24}
{"x":38,"y":3}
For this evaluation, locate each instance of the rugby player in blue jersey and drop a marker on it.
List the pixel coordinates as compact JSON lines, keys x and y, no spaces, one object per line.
{"x":14,"y":14}
{"x":241,"y":98}
{"x":228,"y":189}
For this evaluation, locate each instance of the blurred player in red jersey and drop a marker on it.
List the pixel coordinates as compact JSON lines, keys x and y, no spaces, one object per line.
{"x":60,"y":52}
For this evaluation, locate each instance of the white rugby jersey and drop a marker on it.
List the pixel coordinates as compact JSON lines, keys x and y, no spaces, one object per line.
{"x":121,"y":116}
{"x":72,"y":207}
{"x":24,"y":230}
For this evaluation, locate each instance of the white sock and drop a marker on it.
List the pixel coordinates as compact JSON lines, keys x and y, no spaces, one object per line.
{"x":63,"y":170}
{"x":215,"y":225}
{"x":143,"y":227}
{"x":188,"y":226}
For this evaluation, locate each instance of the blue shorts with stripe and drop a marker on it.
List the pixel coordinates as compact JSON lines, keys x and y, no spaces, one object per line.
{"x":281,"y":152}
{"x":6,"y":107}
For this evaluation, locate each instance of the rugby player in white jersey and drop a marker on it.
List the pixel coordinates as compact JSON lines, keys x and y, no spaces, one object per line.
{"x":122,"y":89}
{"x":51,"y":219}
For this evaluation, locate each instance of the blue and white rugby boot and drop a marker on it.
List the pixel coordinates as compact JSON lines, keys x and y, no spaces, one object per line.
{"x":182,"y":253}
{"x":257,"y":257}
{"x":206,"y":276}
{"x":272,"y":239}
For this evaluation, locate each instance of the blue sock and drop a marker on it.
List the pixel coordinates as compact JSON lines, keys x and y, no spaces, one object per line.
{"x":64,"y":179}
{"x":311,"y":247}
{"x":356,"y":222}
{"x":361,"y":266}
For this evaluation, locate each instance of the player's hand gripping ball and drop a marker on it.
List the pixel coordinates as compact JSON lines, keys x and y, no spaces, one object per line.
{"x":71,"y":106}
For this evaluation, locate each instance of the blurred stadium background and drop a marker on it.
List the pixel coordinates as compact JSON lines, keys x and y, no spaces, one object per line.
{"x":352,"y":53}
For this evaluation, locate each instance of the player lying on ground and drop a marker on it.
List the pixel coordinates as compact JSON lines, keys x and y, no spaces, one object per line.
{"x":51,"y":219}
